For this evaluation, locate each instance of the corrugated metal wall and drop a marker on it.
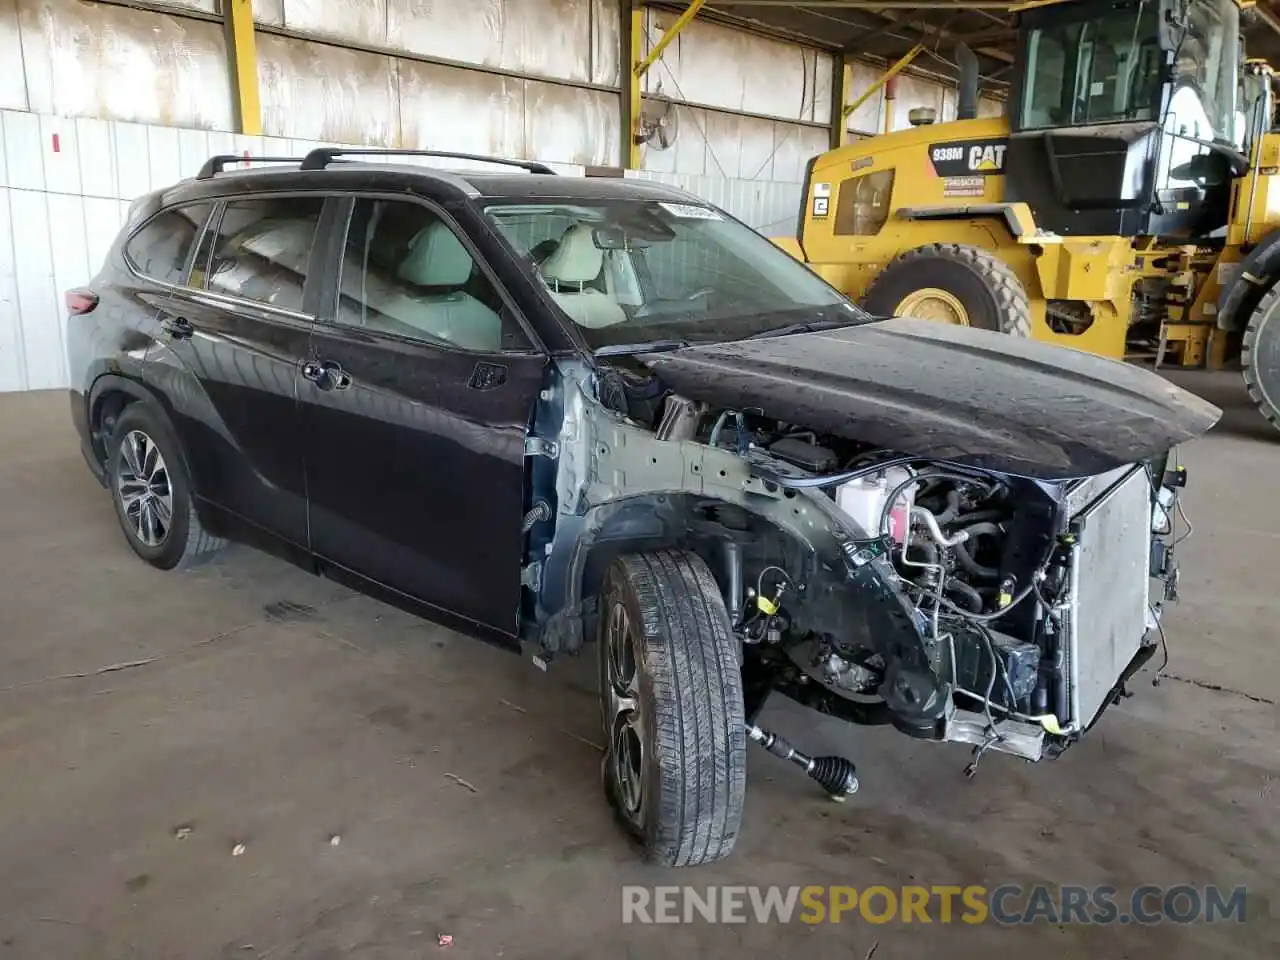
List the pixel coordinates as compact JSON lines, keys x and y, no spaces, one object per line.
{"x":65,"y":189}
{"x":135,"y":97}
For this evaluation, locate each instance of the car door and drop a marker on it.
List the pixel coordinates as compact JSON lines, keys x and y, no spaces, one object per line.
{"x":234,"y":340}
{"x":420,"y":384}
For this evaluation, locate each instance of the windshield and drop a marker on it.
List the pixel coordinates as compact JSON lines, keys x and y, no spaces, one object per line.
{"x":633,"y":271}
{"x":1103,"y":70}
{"x":1206,"y":72}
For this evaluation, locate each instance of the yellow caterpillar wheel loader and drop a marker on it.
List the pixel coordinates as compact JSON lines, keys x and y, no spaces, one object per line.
{"x":1128,"y":202}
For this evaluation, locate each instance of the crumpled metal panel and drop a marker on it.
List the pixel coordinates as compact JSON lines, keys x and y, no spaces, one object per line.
{"x":549,"y":38}
{"x":734,"y":70}
{"x":935,"y":391}
{"x":321,"y":92}
{"x":13,"y":82}
{"x":95,"y":60}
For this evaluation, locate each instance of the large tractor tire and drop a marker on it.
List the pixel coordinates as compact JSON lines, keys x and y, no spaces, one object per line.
{"x":1260,"y":355}
{"x":952,"y":283}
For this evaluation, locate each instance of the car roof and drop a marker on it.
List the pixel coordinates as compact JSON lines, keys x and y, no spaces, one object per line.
{"x":477,"y":184}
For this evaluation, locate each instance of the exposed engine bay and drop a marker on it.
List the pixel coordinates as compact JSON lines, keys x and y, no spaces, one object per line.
{"x":957,"y":603}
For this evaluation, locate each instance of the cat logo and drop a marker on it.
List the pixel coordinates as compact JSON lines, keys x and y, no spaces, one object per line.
{"x":988,"y":159}
{"x":966,"y":158}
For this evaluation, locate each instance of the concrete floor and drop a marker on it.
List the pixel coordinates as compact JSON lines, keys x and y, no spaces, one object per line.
{"x":276,"y":710}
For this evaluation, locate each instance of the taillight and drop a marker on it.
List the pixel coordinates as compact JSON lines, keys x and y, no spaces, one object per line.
{"x":81,"y":301}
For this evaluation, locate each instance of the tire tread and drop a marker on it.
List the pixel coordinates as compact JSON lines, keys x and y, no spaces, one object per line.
{"x":690,"y":655}
{"x":1012,"y":303}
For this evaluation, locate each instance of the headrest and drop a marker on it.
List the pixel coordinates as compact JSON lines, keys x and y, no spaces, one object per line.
{"x":577,"y":259}
{"x":436,"y":258}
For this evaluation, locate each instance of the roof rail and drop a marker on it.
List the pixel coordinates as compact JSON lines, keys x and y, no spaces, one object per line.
{"x":320,"y":158}
{"x":216,"y":164}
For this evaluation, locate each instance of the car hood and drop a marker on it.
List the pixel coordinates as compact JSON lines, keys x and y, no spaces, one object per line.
{"x":927,"y":389}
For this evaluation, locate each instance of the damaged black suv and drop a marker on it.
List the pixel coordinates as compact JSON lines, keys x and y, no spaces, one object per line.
{"x":547,"y":410}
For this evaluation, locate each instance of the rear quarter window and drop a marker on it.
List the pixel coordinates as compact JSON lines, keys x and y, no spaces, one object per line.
{"x":161,"y":249}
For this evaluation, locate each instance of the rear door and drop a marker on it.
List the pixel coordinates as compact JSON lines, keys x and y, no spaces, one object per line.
{"x":234,"y":340}
{"x":418,"y":389}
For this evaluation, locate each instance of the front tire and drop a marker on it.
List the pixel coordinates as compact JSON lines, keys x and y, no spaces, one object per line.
{"x":152,"y":492}
{"x":671,"y":696}
{"x":952,"y":283}
{"x":1260,"y":356}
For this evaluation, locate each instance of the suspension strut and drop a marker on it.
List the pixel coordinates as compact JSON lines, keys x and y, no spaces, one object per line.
{"x":836,"y":775}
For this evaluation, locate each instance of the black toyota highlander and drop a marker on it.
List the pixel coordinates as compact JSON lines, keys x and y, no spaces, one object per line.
{"x":546,"y":410}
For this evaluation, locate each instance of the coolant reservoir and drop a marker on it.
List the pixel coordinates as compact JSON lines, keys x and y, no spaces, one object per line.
{"x":863,"y":500}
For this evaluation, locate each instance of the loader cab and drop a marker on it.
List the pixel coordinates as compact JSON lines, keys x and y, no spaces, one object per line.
{"x":1131,"y":108}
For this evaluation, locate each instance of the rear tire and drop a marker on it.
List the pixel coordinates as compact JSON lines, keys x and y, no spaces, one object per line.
{"x":985,"y":286}
{"x":671,"y":699}
{"x":152,"y":492}
{"x":1260,"y":356}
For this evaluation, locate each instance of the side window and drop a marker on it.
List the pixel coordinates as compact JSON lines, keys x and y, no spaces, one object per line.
{"x":161,"y":248}
{"x":404,"y":271}
{"x":863,"y":205}
{"x":261,"y":248}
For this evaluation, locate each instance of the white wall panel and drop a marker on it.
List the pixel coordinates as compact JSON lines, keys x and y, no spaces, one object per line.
{"x":868,"y":118}
{"x":320,"y":92}
{"x":111,"y":62}
{"x":715,"y":143}
{"x":548,"y":38}
{"x":12,"y":353}
{"x":38,"y":314}
{"x":13,"y":80}
{"x":570,"y":126}
{"x":733,"y":70}
{"x":605,"y":30}
{"x":362,"y":21}
{"x":448,"y":108}
{"x":269,"y":11}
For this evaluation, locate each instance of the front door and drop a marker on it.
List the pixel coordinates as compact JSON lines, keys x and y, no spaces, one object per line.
{"x":416,"y":396}
{"x":233,"y":340}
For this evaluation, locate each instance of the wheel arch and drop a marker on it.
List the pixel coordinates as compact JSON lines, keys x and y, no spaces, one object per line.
{"x":1259,"y":271}
{"x":648,"y":521}
{"x":109,"y":395}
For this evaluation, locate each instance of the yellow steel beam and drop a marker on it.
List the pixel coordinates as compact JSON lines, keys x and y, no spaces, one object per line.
{"x":668,"y":35}
{"x":888,"y":75}
{"x":840,"y":96}
{"x":633,"y":87}
{"x":244,"y":65}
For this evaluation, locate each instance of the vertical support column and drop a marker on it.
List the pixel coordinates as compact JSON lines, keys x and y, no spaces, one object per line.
{"x":243,"y":55}
{"x":630,"y":36}
{"x":839,"y":97}
{"x":635,"y":79}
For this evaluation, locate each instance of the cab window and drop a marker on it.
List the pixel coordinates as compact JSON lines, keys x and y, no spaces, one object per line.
{"x":863,"y":205}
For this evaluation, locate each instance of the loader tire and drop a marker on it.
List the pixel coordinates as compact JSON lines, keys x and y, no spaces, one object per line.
{"x":1260,"y":356}
{"x":953,"y":283}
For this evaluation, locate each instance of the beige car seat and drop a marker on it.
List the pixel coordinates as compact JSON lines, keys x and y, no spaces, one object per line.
{"x":575,"y":263}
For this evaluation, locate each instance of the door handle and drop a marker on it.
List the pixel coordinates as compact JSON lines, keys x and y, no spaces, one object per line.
{"x":326,"y":374}
{"x":179,"y":328}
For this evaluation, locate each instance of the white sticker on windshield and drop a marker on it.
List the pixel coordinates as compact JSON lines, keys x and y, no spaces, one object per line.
{"x":689,"y":211}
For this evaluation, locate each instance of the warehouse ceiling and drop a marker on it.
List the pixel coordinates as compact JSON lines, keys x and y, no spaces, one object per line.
{"x":887,"y":30}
